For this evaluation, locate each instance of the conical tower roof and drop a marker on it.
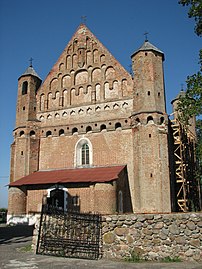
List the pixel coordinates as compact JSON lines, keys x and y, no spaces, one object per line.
{"x":147,"y":46}
{"x":30,"y":71}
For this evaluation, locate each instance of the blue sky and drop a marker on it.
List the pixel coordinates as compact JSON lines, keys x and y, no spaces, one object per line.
{"x":41,"y":29}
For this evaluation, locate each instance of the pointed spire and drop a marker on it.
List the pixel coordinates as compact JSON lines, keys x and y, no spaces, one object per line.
{"x":30,"y":70}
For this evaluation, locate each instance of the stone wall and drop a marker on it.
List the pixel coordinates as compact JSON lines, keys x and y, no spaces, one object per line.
{"x":153,"y":237}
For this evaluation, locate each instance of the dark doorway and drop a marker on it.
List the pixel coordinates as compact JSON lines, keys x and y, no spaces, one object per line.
{"x":56,"y":198}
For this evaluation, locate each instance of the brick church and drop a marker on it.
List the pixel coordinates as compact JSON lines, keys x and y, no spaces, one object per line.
{"x":91,"y":137}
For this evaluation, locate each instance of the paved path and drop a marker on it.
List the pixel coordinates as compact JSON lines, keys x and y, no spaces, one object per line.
{"x":12,"y":239}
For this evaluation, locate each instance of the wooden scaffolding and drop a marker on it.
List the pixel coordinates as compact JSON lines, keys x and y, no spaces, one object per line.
{"x":187,"y":185}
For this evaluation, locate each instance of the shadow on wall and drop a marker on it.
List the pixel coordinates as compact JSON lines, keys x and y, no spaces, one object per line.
{"x":15,"y":234}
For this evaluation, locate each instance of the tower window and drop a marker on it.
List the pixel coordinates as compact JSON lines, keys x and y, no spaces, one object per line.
{"x":161,"y":120}
{"x":32,"y":133}
{"x":148,"y":92}
{"x":85,"y":154}
{"x":23,"y":108}
{"x":24,"y":87}
{"x":159,"y":94}
{"x":22,"y":133}
{"x":150,"y":119}
{"x":149,"y":135}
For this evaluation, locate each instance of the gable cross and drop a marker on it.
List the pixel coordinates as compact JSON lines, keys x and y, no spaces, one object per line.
{"x":146,"y":36}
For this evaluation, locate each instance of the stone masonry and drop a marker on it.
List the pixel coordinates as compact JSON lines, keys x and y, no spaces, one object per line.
{"x":153,"y":237}
{"x":150,"y":237}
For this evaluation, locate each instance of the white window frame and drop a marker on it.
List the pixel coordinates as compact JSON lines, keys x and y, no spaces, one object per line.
{"x":78,"y":153}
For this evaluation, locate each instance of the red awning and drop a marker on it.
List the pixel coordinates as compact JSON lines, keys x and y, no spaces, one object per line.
{"x":78,"y":175}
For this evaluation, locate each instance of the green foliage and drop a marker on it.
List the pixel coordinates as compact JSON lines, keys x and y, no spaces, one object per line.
{"x":134,"y":257}
{"x":27,"y":248}
{"x":3,"y":209}
{"x":170,"y":259}
{"x":195,"y":11}
{"x":191,"y":103}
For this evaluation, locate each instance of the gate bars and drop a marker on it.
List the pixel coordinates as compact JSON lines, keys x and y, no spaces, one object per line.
{"x":69,"y":234}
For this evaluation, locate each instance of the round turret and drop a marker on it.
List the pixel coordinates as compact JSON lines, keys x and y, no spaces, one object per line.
{"x":149,"y":95}
{"x":28,"y":84}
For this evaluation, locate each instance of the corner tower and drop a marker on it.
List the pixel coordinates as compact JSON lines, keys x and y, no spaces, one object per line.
{"x":149,"y":121}
{"x":28,"y":84}
{"x":24,"y":150}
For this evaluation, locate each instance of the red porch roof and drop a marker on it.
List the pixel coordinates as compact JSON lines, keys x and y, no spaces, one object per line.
{"x":78,"y":175}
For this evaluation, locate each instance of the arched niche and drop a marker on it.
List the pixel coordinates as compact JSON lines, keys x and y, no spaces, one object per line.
{"x":110,"y":73}
{"x":96,"y":75}
{"x":81,"y":77}
{"x":66,"y":81}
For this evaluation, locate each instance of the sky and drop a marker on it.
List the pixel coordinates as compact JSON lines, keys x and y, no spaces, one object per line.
{"x":41,"y":29}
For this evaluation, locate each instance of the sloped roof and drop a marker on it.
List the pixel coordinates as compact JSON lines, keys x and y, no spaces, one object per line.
{"x":148,"y":46}
{"x":78,"y":175}
{"x":30,"y":71}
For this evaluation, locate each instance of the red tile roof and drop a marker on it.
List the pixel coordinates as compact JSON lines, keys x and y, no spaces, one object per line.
{"x":78,"y":175}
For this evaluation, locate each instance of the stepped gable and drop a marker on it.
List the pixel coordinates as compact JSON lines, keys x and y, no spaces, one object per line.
{"x":86,"y":72}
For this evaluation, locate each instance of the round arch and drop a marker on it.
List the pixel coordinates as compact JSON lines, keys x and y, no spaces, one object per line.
{"x":78,"y":152}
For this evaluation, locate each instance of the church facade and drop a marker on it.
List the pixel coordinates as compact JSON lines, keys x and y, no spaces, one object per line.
{"x":92,"y":137}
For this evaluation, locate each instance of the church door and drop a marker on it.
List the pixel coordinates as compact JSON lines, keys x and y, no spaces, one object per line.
{"x":56,"y":198}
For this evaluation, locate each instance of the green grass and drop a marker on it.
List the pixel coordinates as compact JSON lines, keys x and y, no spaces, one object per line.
{"x":27,"y":248}
{"x":134,"y":257}
{"x":171,"y":259}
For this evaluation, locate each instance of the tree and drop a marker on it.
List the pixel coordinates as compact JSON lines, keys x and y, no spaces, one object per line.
{"x":191,"y":103}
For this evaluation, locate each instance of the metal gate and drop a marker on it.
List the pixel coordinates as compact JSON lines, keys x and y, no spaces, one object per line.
{"x":69,"y":234}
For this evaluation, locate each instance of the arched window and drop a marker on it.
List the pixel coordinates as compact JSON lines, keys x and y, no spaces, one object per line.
{"x":61,"y":132}
{"x":48,"y":133}
{"x":74,"y":130}
{"x":103,"y":127}
{"x":32,"y":133}
{"x":24,"y":87}
{"x":85,"y":154}
{"x":118,"y":125}
{"x":22,"y":133}
{"x":150,"y":119}
{"x":88,"y":129}
{"x":161,"y":120}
